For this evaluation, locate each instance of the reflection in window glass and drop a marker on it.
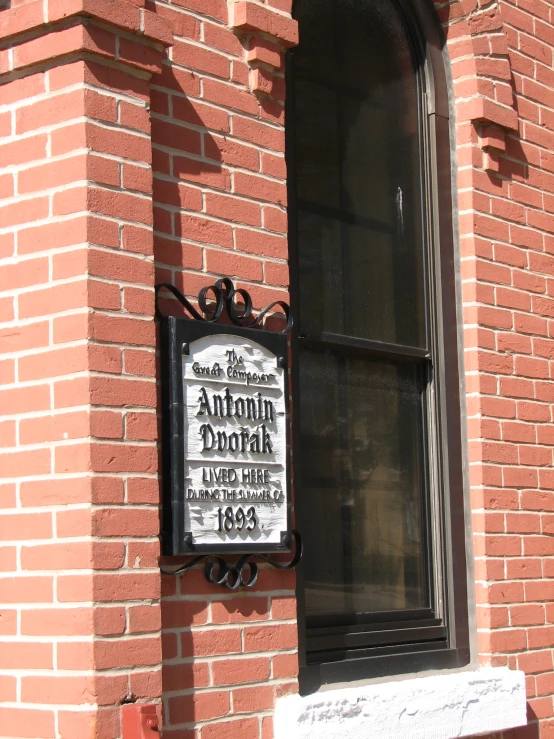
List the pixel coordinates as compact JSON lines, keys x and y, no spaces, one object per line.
{"x":358,"y":178}
{"x":362,"y":453}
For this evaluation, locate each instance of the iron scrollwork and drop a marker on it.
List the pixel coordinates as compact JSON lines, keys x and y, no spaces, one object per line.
{"x":220,"y":302}
{"x":232,"y":576}
{"x":223,"y":296}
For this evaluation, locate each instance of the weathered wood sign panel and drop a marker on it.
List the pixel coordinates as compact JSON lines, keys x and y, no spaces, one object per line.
{"x":226,"y":439}
{"x":235,"y":442}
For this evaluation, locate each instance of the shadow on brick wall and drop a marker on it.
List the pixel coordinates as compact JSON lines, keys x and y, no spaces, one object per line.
{"x":514,"y":164}
{"x":187,"y":136}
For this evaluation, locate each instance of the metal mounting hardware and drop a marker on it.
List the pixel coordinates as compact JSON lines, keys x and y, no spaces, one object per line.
{"x":231,"y":309}
{"x":232,"y":576}
{"x":140,"y":721}
{"x":224,"y":294}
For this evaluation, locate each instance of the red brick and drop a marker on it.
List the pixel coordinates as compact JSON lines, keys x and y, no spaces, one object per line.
{"x":253,"y":17}
{"x":206,"y":643}
{"x":19,"y":463}
{"x":200,"y":114}
{"x":527,"y":615}
{"x":177,"y":137}
{"x":8,"y":559}
{"x":183,"y":24}
{"x":127,"y":653}
{"x":250,"y":700}
{"x":533,"y":662}
{"x":56,"y":622}
{"x":233,"y":265}
{"x":144,"y":619}
{"x":24,"y":150}
{"x":260,"y":243}
{"x":138,"y":300}
{"x":103,"y":232}
{"x":222,"y":149}
{"x":52,"y":174}
{"x":8,"y":689}
{"x":270,"y":638}
{"x":239,"y":610}
{"x":143,"y":426}
{"x":75,"y":655}
{"x":84,"y":723}
{"x":137,"y":239}
{"x":125,"y":522}
{"x":504,"y":640}
{"x":283,"y":607}
{"x":119,"y":143}
{"x":210,"y":175}
{"x":56,"y":689}
{"x":245,"y":728}
{"x":204,"y":230}
{"x":239,"y":671}
{"x":118,"y":587}
{"x":122,"y":458}
{"x":229,"y":96}
{"x":27,"y":722}
{"x":184,"y":676}
{"x":118,"y":329}
{"x":26,"y":656}
{"x":285,"y":665}
{"x":137,"y":178}
{"x":540,"y":637}
{"x":139,"y":54}
{"x":260,"y":188}
{"x":176,"y":193}
{"x":200,"y":706}
{"x":197,"y":57}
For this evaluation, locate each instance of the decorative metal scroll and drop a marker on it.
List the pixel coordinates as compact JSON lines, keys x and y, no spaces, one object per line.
{"x":232,"y":576}
{"x":223,"y":296}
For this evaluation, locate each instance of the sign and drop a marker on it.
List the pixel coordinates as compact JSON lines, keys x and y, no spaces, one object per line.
{"x":227,"y":432}
{"x":235,"y":442}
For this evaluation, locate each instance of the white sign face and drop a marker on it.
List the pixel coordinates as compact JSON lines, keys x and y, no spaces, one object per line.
{"x":235,"y":443}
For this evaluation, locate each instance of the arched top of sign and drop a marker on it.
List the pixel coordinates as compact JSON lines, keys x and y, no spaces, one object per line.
{"x":238,"y":352}
{"x":219,"y":300}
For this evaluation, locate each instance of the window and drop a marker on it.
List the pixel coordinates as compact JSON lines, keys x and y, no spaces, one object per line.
{"x":377,"y":447}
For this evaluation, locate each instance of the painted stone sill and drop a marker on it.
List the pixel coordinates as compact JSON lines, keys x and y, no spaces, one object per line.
{"x":441,"y":706}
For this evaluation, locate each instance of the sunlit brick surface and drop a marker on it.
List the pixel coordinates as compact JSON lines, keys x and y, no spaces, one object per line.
{"x":124,"y":164}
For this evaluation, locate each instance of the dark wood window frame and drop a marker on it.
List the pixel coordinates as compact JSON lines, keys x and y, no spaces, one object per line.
{"x":438,"y":637}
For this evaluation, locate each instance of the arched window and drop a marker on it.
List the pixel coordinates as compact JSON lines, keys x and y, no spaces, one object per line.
{"x":377,"y":452}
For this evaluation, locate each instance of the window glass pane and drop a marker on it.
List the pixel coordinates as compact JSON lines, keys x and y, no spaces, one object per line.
{"x":321,"y":254}
{"x":352,"y":281}
{"x":318,"y":179}
{"x":362,"y":124}
{"x":357,"y":162}
{"x":319,"y":57}
{"x":362,"y":484}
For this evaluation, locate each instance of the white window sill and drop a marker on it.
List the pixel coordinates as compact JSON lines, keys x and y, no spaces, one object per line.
{"x":441,"y":706}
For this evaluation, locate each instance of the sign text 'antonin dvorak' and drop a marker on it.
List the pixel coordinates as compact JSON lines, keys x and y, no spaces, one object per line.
{"x":235,"y":441}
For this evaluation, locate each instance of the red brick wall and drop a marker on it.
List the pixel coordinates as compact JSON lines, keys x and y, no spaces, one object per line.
{"x":502,"y":125}
{"x":78,"y":555}
{"x":219,"y":209}
{"x":503,"y":54}
{"x":79,"y":583}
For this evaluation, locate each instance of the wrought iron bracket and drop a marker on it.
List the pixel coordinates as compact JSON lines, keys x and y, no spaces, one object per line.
{"x":232,"y":576}
{"x":223,"y":303}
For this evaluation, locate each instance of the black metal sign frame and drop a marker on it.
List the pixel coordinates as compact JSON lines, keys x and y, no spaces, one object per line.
{"x":176,"y":335}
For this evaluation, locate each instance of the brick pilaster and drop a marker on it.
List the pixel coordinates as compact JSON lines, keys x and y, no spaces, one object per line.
{"x":80,"y":624}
